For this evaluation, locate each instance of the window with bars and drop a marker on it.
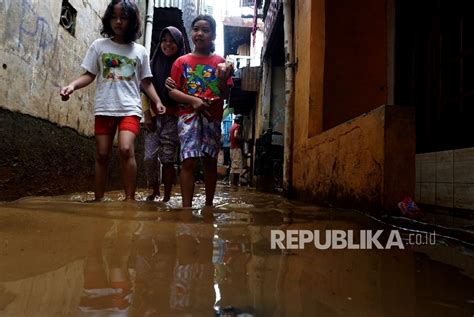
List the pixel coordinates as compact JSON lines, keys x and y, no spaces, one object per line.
{"x":68,"y":17}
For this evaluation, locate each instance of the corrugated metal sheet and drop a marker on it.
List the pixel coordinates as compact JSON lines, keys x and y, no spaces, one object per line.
{"x":169,"y":4}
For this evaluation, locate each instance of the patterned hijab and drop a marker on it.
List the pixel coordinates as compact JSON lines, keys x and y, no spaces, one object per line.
{"x":161,"y":64}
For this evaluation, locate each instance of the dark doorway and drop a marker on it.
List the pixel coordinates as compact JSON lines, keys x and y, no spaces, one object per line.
{"x":434,"y":70}
{"x":164,"y":17}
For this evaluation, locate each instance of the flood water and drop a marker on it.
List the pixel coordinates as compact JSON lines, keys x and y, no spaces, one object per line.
{"x":64,"y":256}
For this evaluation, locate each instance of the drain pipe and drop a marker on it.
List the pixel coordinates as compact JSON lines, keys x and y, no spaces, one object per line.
{"x":149,"y":24}
{"x":290,"y":95}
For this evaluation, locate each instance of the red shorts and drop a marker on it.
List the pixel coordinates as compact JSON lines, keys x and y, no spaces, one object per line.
{"x":108,"y":125}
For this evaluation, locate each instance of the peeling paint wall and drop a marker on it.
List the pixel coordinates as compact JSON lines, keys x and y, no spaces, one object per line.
{"x":277,"y":111}
{"x":264,"y":99}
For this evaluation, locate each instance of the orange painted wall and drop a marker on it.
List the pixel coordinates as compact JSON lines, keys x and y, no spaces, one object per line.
{"x":355,"y":59}
{"x":365,"y":159}
{"x":367,"y":162}
{"x":309,"y":71}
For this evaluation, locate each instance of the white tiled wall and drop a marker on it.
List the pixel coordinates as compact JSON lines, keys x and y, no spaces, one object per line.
{"x":446,"y":178}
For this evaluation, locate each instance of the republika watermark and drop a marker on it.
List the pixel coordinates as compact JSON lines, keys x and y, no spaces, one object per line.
{"x":346,"y":239}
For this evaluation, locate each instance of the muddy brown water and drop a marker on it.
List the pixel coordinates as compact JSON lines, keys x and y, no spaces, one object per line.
{"x":64,"y":256}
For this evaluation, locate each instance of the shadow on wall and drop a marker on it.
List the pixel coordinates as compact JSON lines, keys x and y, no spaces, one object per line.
{"x":40,"y":158}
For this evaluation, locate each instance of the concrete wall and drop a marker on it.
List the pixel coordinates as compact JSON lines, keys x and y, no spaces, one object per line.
{"x":39,"y":56}
{"x":364,"y":162}
{"x":40,"y":158}
{"x":47,"y":146}
{"x":368,"y":161}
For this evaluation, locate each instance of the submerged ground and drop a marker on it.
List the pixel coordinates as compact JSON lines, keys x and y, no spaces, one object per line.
{"x":64,"y":256}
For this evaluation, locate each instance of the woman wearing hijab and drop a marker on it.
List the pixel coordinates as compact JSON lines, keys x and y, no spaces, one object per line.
{"x":161,"y":136}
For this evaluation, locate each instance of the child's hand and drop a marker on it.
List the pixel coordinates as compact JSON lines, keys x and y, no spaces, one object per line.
{"x":224,"y":70}
{"x":229,"y":70}
{"x":202,"y":105}
{"x":199,"y":104}
{"x":160,"y":109}
{"x":170,"y":83}
{"x":66,"y":91}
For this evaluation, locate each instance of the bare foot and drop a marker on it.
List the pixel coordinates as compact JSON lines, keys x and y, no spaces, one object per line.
{"x":154,"y":194}
{"x":95,"y":200}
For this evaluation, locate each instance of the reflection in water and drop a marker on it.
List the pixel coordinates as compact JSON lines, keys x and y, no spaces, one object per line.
{"x":192,"y":285}
{"x":60,"y":256}
{"x":107,"y":282}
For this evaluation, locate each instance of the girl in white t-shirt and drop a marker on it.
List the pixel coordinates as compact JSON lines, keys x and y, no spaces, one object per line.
{"x":120,"y":66}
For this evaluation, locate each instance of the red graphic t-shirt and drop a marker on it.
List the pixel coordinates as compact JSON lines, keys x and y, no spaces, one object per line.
{"x":234,"y":128}
{"x":196,"y":76}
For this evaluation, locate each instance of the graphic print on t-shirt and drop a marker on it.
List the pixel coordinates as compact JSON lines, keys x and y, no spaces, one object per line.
{"x":202,"y":78}
{"x":117,"y":67}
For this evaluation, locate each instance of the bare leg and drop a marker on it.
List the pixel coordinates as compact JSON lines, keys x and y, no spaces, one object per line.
{"x":187,"y":180}
{"x":155,"y":186}
{"x":128,"y":163}
{"x":168,"y":179}
{"x":103,"y":149}
{"x":152,"y":172}
{"x":210,"y":178}
{"x":156,"y":191}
